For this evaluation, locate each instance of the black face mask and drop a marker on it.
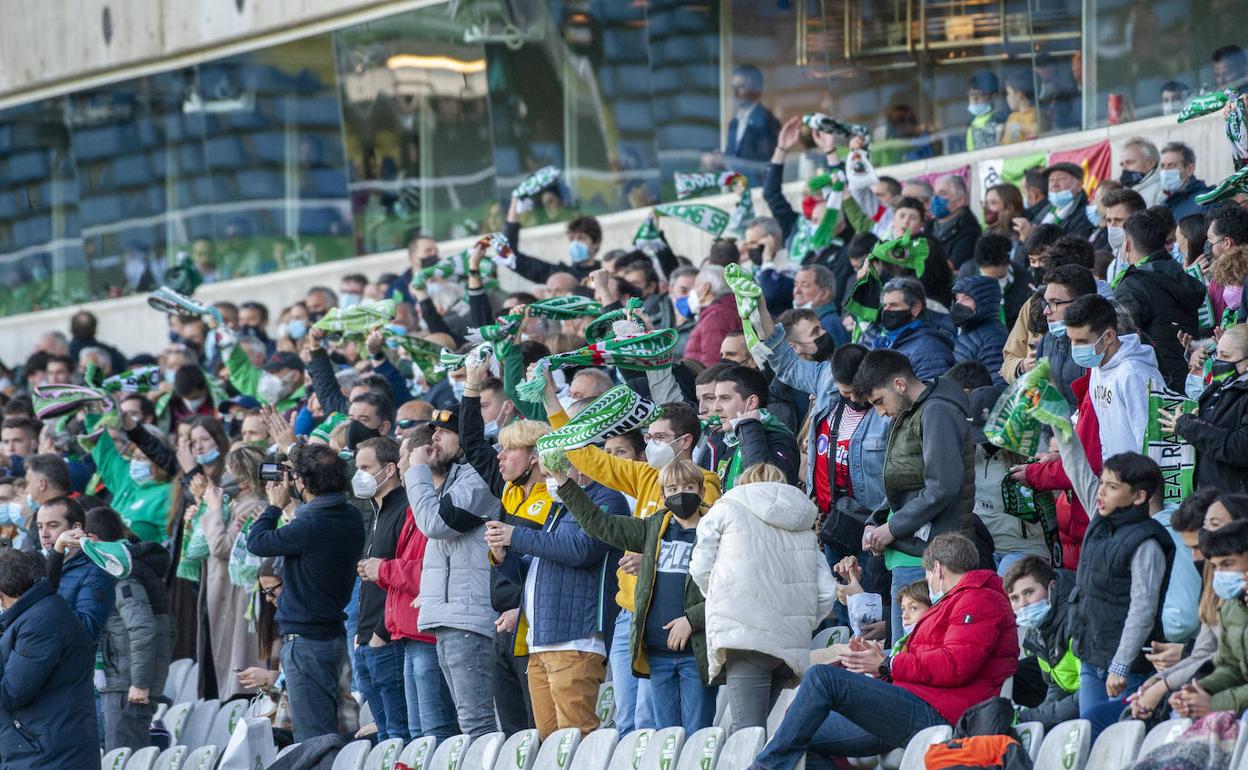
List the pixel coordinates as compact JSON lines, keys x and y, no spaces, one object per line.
{"x":254,"y":331}
{"x":523,"y":478}
{"x":684,"y":504}
{"x":892,"y":320}
{"x":358,"y":432}
{"x":857,"y":406}
{"x":429,"y":261}
{"x":824,"y":346}
{"x":1130,"y":178}
{"x":960,"y":314}
{"x":756,"y":255}
{"x":1037,"y":275}
{"x":1220,"y":369}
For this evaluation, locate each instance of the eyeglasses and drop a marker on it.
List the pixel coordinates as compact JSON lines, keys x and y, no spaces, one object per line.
{"x":406,"y":423}
{"x":1055,"y":303}
{"x":270,"y":592}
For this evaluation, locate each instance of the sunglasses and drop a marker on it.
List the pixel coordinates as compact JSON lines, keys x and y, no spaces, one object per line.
{"x":440,"y":415}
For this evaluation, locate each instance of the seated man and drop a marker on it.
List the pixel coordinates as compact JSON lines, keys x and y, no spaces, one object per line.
{"x":1038,"y":594}
{"x":960,"y":653}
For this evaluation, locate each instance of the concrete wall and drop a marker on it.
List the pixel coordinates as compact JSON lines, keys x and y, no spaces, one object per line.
{"x":130,"y":324}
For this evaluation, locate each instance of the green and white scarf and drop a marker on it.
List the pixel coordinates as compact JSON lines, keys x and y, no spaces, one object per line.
{"x":603,"y":327}
{"x":534,"y":183}
{"x":563,"y":308}
{"x":635,"y":352}
{"x":748,"y":294}
{"x":357,"y":321}
{"x":1233,"y":185}
{"x":614,"y":413}
{"x":708,"y":219}
{"x":1206,"y":104}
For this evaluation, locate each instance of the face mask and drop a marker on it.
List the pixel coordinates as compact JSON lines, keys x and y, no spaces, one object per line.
{"x":358,"y":432}
{"x":935,"y":593}
{"x":1220,"y":369}
{"x":1061,"y":199}
{"x":1057,"y":328}
{"x":1228,"y":585}
{"x":1117,"y":236}
{"x":960,"y":314}
{"x":348,"y":299}
{"x":824,"y":347}
{"x":1193,"y":386}
{"x":684,"y":504}
{"x":756,"y":255}
{"x":1130,"y":178}
{"x":363,"y":485}
{"x":491,"y":430}
{"x":140,"y":471}
{"x":659,"y":453}
{"x":1086,"y":355}
{"x":252,"y":331}
{"x":694,"y":302}
{"x":682,"y":306}
{"x":194,"y":403}
{"x":457,"y":387}
{"x":991,"y":216}
{"x":270,"y":388}
{"x":1093,"y":214}
{"x":892,"y":320}
{"x":1176,"y":253}
{"x":907,"y":629}
{"x":1171,"y":180}
{"x":552,"y":489}
{"x":578,"y":252}
{"x":209,"y":457}
{"x":982,"y":108}
{"x":1232,"y":295}
{"x":11,"y":513}
{"x":940,"y":207}
{"x":170,"y":375}
{"x":32,"y":503}
{"x":1032,"y":615}
{"x":295,"y":328}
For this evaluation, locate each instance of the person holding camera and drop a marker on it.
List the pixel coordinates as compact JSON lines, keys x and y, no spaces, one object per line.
{"x":321,"y":547}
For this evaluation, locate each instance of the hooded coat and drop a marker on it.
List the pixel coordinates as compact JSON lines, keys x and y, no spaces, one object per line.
{"x":982,"y":336}
{"x":767,"y":585}
{"x":1120,"y":396}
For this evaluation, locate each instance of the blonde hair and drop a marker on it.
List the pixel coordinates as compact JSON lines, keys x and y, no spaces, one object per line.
{"x":522,"y":434}
{"x":1238,"y":335}
{"x":760,"y":472}
{"x":1231,"y":268}
{"x":680,"y":472}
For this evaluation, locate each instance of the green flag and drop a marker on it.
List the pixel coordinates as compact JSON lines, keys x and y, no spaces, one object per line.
{"x":706,"y":218}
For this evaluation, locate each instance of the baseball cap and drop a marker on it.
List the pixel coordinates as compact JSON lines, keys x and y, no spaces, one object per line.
{"x":242,"y":402}
{"x":283,"y":360}
{"x":446,"y":419}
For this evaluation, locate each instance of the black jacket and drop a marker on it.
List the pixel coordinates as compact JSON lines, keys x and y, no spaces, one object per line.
{"x":958,"y":236}
{"x":1077,"y":224}
{"x":760,"y":443}
{"x":1051,"y":642}
{"x":1163,"y":299}
{"x":1219,"y":431}
{"x":381,"y":539}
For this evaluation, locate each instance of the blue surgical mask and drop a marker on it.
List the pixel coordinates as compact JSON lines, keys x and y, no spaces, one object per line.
{"x":209,"y":457}
{"x":32,"y":503}
{"x":1228,"y":585}
{"x":682,"y":306}
{"x":348,"y":299}
{"x":1032,"y":615}
{"x":907,"y":629}
{"x":983,"y":108}
{"x":491,"y":430}
{"x":578,"y":252}
{"x":296,"y":328}
{"x":11,"y":513}
{"x":940,"y":207}
{"x":1170,"y":178}
{"x":1116,"y":236}
{"x":1093,"y":214}
{"x":140,"y":471}
{"x":1057,"y":328}
{"x":1086,"y":355}
{"x":1193,"y":386}
{"x":935,"y":593}
{"x":1176,"y":253}
{"x":1062,"y":198}
{"x":457,"y":387}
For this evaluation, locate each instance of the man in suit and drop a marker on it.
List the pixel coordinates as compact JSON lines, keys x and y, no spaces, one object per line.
{"x":753,"y":131}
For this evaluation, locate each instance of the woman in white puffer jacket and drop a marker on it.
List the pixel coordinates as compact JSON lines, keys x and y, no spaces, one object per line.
{"x":767,"y":586}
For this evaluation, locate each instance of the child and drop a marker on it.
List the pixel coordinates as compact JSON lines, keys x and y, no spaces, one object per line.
{"x":915,"y":602}
{"x":1038,"y":594}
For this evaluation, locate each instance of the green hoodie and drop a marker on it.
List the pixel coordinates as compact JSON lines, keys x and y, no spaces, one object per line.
{"x":144,"y":507}
{"x":245,"y":376}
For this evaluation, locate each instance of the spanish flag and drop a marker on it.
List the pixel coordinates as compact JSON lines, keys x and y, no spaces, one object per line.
{"x":1095,"y":160}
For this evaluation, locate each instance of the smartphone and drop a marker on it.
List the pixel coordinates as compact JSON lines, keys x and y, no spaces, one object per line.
{"x":272,"y":472}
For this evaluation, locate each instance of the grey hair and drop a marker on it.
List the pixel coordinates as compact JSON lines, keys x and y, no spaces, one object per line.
{"x":598,"y":376}
{"x":769,"y":226}
{"x":1148,"y":147}
{"x":347,"y":378}
{"x":824,"y":278}
{"x":1189,"y":155}
{"x":924,"y":185}
{"x":713,"y":276}
{"x":958,"y":182}
{"x":911,"y":290}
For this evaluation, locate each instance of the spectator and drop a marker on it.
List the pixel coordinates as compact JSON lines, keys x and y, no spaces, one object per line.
{"x":1069,"y":202}
{"x":1178,"y":180}
{"x":1217,"y":429}
{"x":1139,"y":161}
{"x":740,"y":401}
{"x":141,"y":489}
{"x":1063,"y":285}
{"x":928,"y":469}
{"x":960,"y":653}
{"x":1002,"y":204}
{"x":321,"y":547}
{"x":83,"y":328}
{"x":905,"y":328}
{"x":1040,"y":596}
{"x":992,"y":259}
{"x":753,"y":130}
{"x":47,"y":660}
{"x":977,"y":314}
{"x":87,"y":589}
{"x":1174,"y":95}
{"x":1023,"y":123}
{"x":1035,"y":196}
{"x":19,"y":439}
{"x":1230,"y":67}
{"x":756,"y":542}
{"x":1228,"y":228}
{"x":1119,"y":206}
{"x":814,"y":289}
{"x":584,"y":244}
{"x":716,"y":310}
{"x":47,"y":478}
{"x":986,"y":123}
{"x":956,"y":228}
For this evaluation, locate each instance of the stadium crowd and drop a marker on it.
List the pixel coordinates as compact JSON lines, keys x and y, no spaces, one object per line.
{"x":473,"y":508}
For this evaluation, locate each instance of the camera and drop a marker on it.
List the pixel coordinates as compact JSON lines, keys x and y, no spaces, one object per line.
{"x":273,"y":472}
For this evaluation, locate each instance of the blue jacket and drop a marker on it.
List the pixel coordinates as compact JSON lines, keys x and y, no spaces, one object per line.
{"x":322,"y":546}
{"x":866,"y":451}
{"x":88,"y":590}
{"x":47,"y":708}
{"x":575,"y":583}
{"x":982,"y":338}
{"x":930,"y":352}
{"x":758,"y":142}
{"x":1182,"y":202}
{"x":777,"y":289}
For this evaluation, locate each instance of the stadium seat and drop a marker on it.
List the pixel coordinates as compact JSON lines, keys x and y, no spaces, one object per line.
{"x":159,"y":712}
{"x":916,"y":749}
{"x":170,"y":759}
{"x":605,"y":707}
{"x":741,"y":748}
{"x":1118,"y":745}
{"x":627,"y":753}
{"x":1030,"y":734}
{"x":830,"y":636}
{"x":143,"y":759}
{"x":1164,"y":733}
{"x":450,"y":754}
{"x":384,"y":755}
{"x":418,"y":753}
{"x":189,"y":689}
{"x":1238,"y":757}
{"x":366,"y":712}
{"x":224,"y":722}
{"x":871,"y":762}
{"x":483,"y":752}
{"x":595,"y":750}
{"x":779,"y":710}
{"x":557,"y":750}
{"x":175,"y":719}
{"x":202,"y":758}
{"x":197,"y":726}
{"x":115,"y":759}
{"x":663,"y":748}
{"x":889,"y":760}
{"x":702,"y":749}
{"x":1066,"y":746}
{"x":284,"y":751}
{"x":519,"y":752}
{"x":352,"y":756}
{"x":177,"y":675}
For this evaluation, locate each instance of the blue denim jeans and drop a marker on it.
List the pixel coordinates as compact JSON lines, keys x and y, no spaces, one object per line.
{"x":902,"y":577}
{"x":312,"y":667}
{"x":467,"y":662}
{"x":1095,"y":705}
{"x":677,"y":694}
{"x":430,"y":709}
{"x":632,"y":694}
{"x":838,"y":713}
{"x":379,"y":671}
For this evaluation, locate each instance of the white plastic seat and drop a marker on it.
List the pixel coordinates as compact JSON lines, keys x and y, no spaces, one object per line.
{"x":143,"y":759}
{"x":723,"y":711}
{"x":628,"y":751}
{"x":171,"y":758}
{"x":175,"y":719}
{"x":115,"y":759}
{"x":830,"y":636}
{"x":595,"y":750}
{"x":1030,"y":735}
{"x":702,"y":749}
{"x":418,"y":753}
{"x":663,"y":749}
{"x":202,"y":758}
{"x":1241,"y":743}
{"x":199,"y":723}
{"x":867,"y":763}
{"x":158,"y":713}
{"x":889,"y":760}
{"x":779,"y":710}
{"x":1166,"y":732}
{"x":285,"y":751}
{"x":225,"y":721}
{"x":519,"y":752}
{"x":176,"y":677}
{"x":450,"y":753}
{"x":483,"y":752}
{"x":605,"y":705}
{"x":188,"y":690}
{"x":366,"y":713}
{"x":557,"y":750}
{"x":384,"y":755}
{"x":352,"y":756}
{"x":1118,"y":745}
{"x":1066,"y":746}
{"x":916,"y":749}
{"x":741,"y":748}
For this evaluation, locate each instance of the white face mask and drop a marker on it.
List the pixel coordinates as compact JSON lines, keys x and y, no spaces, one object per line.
{"x":457,"y":387}
{"x":695,"y":302}
{"x":1117,"y":236}
{"x":194,"y":403}
{"x":270,"y":388}
{"x":348,"y":299}
{"x":659,"y":453}
{"x":364,"y":485}
{"x":552,"y":489}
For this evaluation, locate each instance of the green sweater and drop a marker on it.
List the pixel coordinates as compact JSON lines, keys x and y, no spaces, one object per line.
{"x":144,"y":507}
{"x":1228,"y":684}
{"x":640,"y":536}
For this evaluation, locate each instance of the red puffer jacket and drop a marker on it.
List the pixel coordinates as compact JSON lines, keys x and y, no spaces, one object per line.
{"x":963,"y":649}
{"x":714,"y":322}
{"x":400,"y":577}
{"x":1072,"y":519}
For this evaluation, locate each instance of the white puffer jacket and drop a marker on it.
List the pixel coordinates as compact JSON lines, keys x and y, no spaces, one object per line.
{"x":767,"y":584}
